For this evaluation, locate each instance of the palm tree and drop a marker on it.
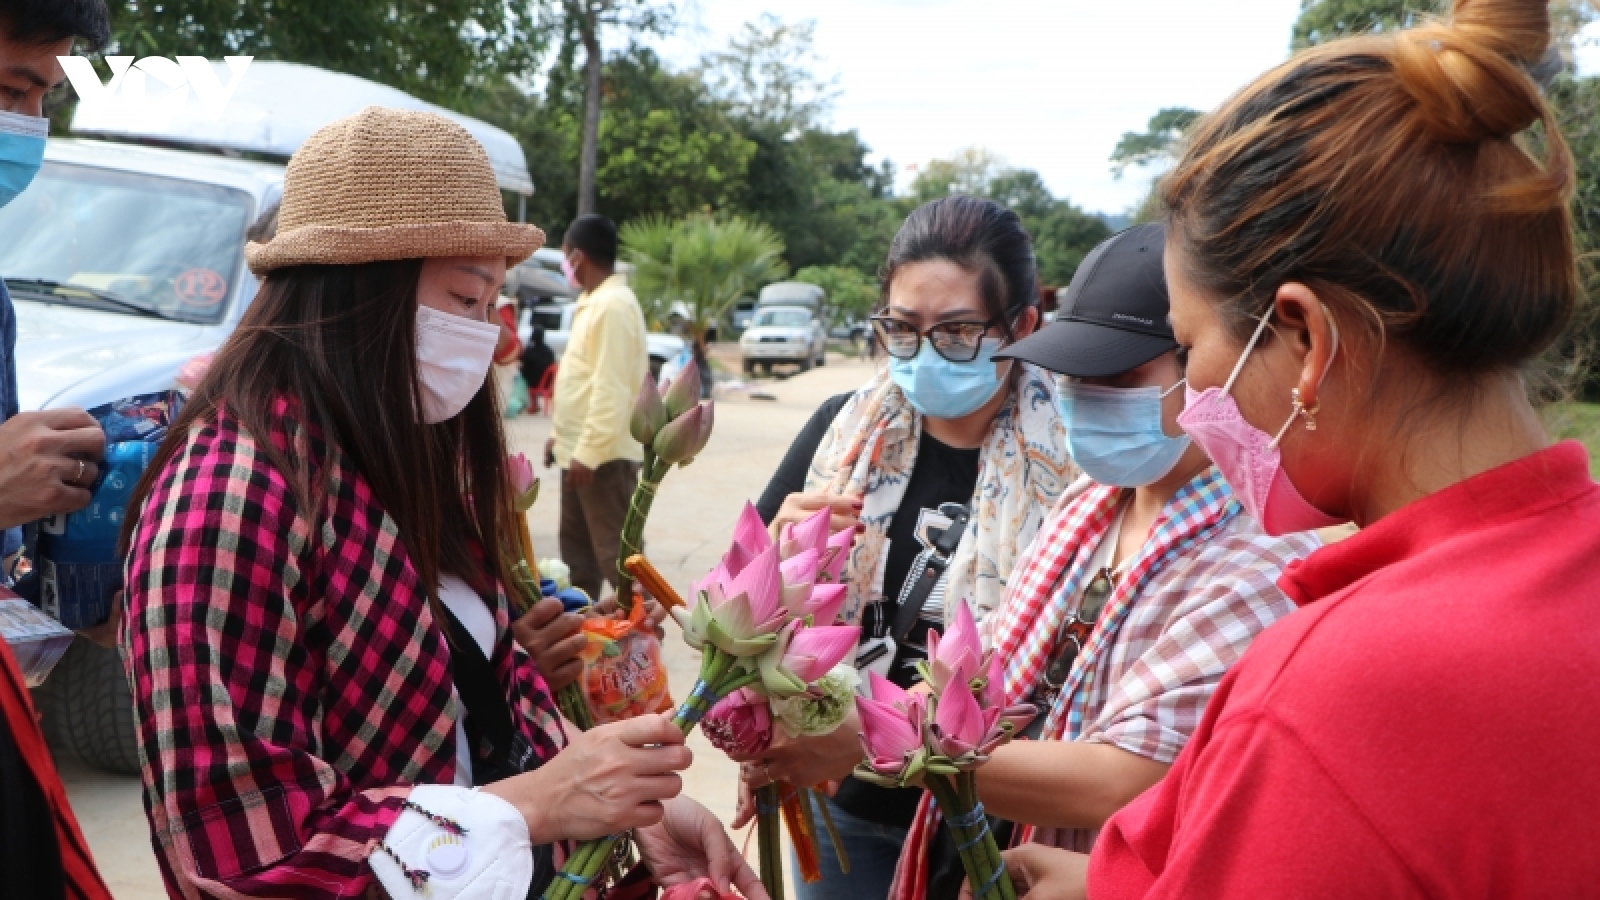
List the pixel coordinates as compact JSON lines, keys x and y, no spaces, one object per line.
{"x":702,"y":262}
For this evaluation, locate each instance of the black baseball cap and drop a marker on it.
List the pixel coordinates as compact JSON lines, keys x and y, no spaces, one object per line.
{"x":1113,"y":316}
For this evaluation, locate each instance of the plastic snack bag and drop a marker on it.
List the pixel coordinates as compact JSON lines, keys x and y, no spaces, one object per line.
{"x":623,"y":676}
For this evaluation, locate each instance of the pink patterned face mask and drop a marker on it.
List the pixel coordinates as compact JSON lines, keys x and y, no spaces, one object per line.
{"x":571,"y":273}
{"x":1247,"y":456}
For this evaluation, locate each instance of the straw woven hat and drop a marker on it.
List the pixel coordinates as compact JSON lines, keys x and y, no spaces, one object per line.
{"x":390,"y":184}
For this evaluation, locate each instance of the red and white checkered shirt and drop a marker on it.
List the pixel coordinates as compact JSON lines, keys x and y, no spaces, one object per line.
{"x":1188,"y":605}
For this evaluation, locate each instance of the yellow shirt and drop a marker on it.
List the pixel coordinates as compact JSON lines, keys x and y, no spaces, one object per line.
{"x":598,"y":378}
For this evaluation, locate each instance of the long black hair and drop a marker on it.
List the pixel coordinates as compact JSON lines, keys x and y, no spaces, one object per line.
{"x":339,"y":342}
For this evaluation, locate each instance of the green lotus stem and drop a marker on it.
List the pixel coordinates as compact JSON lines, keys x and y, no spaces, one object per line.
{"x":718,"y":677}
{"x":768,"y":831}
{"x":957,"y":798}
{"x":833,"y":830}
{"x":575,"y":706}
{"x":632,"y":540}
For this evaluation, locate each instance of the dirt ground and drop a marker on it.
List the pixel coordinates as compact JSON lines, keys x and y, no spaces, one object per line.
{"x":688,"y":530}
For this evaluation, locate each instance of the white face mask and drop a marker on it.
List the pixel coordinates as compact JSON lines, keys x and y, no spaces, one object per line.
{"x":453,"y":357}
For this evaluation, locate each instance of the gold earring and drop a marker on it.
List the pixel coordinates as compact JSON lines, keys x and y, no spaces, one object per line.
{"x":1300,"y":409}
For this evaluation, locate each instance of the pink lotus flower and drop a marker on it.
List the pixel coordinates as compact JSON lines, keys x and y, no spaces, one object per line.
{"x":740,"y":725}
{"x":891,"y":727}
{"x":739,"y":614}
{"x":809,"y":534}
{"x":958,"y":654}
{"x":803,"y":655}
{"x":649,"y":413}
{"x":750,"y":538}
{"x":682,"y":439}
{"x":836,"y":555}
{"x":827,"y":601}
{"x":812,"y":534}
{"x":682,"y":392}
{"x":524,"y":484}
{"x":959,"y":726}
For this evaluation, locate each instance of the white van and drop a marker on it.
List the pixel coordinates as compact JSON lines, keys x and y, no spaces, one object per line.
{"x":125,"y":261}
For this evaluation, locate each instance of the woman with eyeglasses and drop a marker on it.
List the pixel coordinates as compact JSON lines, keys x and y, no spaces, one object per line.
{"x":1143,"y":586}
{"x":945,"y":452}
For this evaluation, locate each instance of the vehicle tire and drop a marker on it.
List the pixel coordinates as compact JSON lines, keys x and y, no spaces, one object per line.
{"x":86,"y":709}
{"x":805,"y":364}
{"x":766,"y":369}
{"x":822,"y":358}
{"x":749,"y":367}
{"x":656,"y":363}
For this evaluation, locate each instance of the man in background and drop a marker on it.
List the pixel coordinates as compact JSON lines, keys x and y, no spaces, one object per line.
{"x":47,"y":462}
{"x":604,"y":364}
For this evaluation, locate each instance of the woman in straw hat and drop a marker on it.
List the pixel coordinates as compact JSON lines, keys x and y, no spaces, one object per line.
{"x":328,"y":693}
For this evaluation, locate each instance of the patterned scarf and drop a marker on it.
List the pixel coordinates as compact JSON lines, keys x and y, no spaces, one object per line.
{"x":1053,"y":574}
{"x":871,"y":449}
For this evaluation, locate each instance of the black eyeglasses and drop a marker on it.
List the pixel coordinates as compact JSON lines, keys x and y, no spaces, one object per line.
{"x":958,"y":342}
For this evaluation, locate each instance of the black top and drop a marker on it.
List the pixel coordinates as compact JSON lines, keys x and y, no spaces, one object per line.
{"x":942,"y":474}
{"x":30,"y":861}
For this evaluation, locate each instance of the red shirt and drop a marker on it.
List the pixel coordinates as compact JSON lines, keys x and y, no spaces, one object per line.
{"x":1428,"y":725}
{"x":82,"y":881}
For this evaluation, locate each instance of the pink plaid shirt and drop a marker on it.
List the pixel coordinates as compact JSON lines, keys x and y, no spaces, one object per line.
{"x":1201,"y":588}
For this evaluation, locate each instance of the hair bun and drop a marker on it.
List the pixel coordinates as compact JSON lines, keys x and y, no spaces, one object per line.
{"x":1470,"y":77}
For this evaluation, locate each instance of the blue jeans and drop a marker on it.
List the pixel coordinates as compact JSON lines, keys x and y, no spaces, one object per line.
{"x":874,"y":850}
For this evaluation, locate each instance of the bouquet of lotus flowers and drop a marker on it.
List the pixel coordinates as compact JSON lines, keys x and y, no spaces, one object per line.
{"x":673,"y":428}
{"x":525,"y":575}
{"x":941,"y":738}
{"x":805,"y":690}
{"x":751,"y":619}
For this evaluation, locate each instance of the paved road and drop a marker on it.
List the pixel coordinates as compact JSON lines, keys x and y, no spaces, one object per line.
{"x":689,"y":529}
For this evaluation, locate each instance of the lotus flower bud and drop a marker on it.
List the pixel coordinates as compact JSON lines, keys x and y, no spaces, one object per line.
{"x":675,"y":442}
{"x":524,"y":484}
{"x":649,"y":413}
{"x":684,"y":391}
{"x":740,"y":725}
{"x":704,"y":435}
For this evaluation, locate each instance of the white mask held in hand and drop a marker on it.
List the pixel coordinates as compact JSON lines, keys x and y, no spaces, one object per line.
{"x":453,"y":357}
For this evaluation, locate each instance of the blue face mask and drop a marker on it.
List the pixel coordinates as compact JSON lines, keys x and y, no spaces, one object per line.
{"x":21,"y":152}
{"x":1115,"y":436}
{"x":943,"y":389}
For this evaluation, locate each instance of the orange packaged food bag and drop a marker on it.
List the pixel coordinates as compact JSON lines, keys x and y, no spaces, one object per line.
{"x":623,"y":675}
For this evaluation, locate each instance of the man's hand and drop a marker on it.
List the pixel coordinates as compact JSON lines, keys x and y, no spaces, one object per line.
{"x":690,"y":843}
{"x":47,"y":462}
{"x":1044,"y":873}
{"x":554,"y":639}
{"x":579,"y":475}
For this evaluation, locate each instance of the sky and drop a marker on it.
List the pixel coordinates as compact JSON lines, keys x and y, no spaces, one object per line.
{"x":1048,"y":85}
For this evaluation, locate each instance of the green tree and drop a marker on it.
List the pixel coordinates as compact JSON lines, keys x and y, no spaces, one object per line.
{"x":1158,"y":144}
{"x":585,"y":20}
{"x":666,"y":147}
{"x":968,"y":172}
{"x":1062,"y":233}
{"x":1575,"y":101}
{"x":702,"y":262}
{"x":1325,"y":20}
{"x":440,"y":50}
{"x":766,"y":75}
{"x":813,"y":185}
{"x":851,"y":295}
